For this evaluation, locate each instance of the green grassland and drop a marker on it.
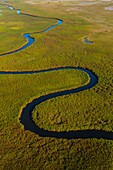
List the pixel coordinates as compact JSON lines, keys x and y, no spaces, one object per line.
{"x":60,"y":47}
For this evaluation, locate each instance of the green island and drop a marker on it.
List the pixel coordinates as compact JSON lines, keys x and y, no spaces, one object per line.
{"x":61,"y":47}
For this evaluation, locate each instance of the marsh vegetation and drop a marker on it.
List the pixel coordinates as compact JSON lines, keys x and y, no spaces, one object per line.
{"x":61,"y":47}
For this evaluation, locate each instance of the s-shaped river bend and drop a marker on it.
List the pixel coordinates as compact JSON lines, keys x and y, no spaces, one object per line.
{"x":26,"y":114}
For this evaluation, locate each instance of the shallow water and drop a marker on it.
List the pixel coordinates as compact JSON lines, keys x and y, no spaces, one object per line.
{"x":18,"y":11}
{"x":86,"y":41}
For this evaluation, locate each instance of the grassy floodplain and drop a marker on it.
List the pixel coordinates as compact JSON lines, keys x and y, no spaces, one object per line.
{"x":62,"y":46}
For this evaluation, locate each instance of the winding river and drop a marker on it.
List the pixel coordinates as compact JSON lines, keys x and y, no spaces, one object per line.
{"x":26,"y":114}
